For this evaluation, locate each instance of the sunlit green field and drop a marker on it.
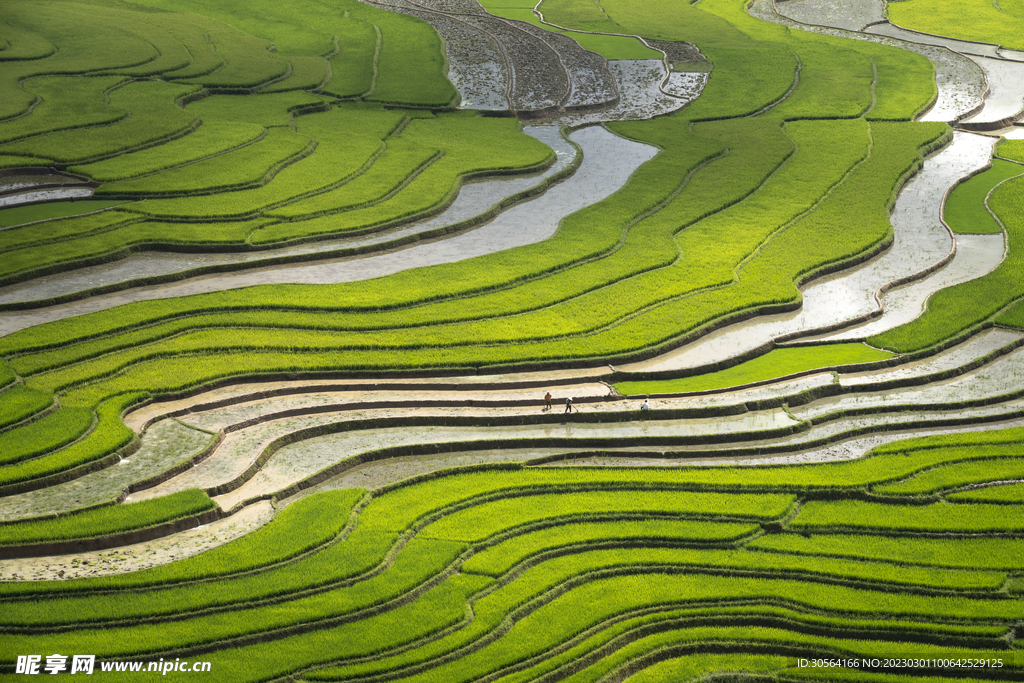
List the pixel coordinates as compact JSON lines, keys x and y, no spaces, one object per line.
{"x":223,"y":126}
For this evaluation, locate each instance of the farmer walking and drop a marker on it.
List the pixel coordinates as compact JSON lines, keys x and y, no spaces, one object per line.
{"x":547,"y":401}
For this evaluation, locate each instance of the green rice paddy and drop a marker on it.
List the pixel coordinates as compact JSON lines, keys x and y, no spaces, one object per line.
{"x":227,"y":126}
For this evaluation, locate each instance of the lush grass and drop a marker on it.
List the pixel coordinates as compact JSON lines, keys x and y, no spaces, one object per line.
{"x":777,"y":363}
{"x":965,"y":210}
{"x":346,"y":139}
{"x":729,"y":217}
{"x":584,"y":16}
{"x":986,"y":22}
{"x":1011,"y":149}
{"x":500,"y":558}
{"x":19,"y":402}
{"x":255,"y":164}
{"x":963,"y":553}
{"x":42,"y":436}
{"x":111,"y":519}
{"x":151,"y":115}
{"x":268,"y":110}
{"x":585,"y":584}
{"x":482,"y":521}
{"x":1004,"y":493}
{"x":48,"y":211}
{"x":1013,"y":316}
{"x":955,"y":476}
{"x":964,"y":518}
{"x":214,"y":137}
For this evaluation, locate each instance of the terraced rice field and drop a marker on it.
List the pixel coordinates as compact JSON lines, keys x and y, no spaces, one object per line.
{"x":510,"y":341}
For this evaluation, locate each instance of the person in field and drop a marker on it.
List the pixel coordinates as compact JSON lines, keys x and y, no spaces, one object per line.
{"x":547,"y":401}
{"x":568,"y":405}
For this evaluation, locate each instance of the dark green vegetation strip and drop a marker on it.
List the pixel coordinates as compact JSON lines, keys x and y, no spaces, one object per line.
{"x":565,"y":567}
{"x":51,"y":210}
{"x":106,"y":520}
{"x":965,"y":210}
{"x":777,"y":363}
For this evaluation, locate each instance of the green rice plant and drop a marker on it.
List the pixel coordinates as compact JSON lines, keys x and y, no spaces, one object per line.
{"x":57,"y":229}
{"x":106,"y":437}
{"x":936,"y":517}
{"x":1003,"y":493}
{"x":905,"y":82}
{"x":588,"y":604}
{"x":438,"y":609}
{"x":48,"y":211}
{"x":47,"y":434}
{"x":308,"y":73}
{"x":500,"y":558}
{"x":488,"y":519}
{"x":192,"y":31}
{"x":299,"y":528}
{"x":214,"y":137}
{"x":7,"y":375}
{"x":962,"y":553}
{"x":734,"y":53}
{"x":67,"y":102}
{"x":1011,"y":149}
{"x":267,"y":110}
{"x":696,"y":666}
{"x":684,"y":649}
{"x":586,"y":17}
{"x":774,"y":364}
{"x":107,"y":520}
{"x":834,"y":83}
{"x":738,"y":230}
{"x":746,"y":167}
{"x":248,"y":61}
{"x":613,"y":47}
{"x":401,"y":158}
{"x":987,"y":22}
{"x":90,"y":39}
{"x":760,"y":563}
{"x":153,"y":116}
{"x":352,"y":69}
{"x":342,"y":564}
{"x":608,"y":631}
{"x":461,"y":138}
{"x":965,"y":210}
{"x":255,"y":164}
{"x":122,"y":239}
{"x":347,"y":140}
{"x":419,"y":82}
{"x":19,"y":403}
{"x":953,"y":310}
{"x":419,"y":562}
{"x":8,"y":161}
{"x":1013,"y":316}
{"x":955,"y":476}
{"x":1010,"y":437}
{"x":19,"y":44}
